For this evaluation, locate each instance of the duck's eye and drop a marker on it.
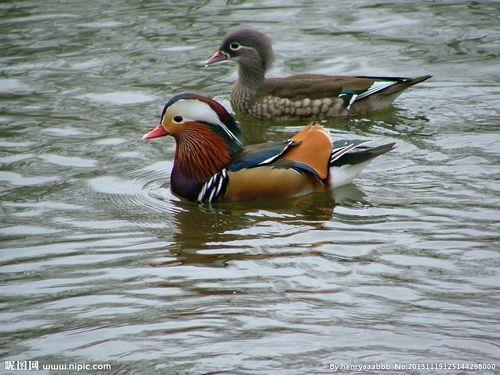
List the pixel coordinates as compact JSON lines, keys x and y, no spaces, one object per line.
{"x":234,"y":46}
{"x":178,"y":118}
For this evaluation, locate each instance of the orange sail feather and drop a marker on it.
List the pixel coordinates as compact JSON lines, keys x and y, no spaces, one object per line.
{"x":314,"y":149}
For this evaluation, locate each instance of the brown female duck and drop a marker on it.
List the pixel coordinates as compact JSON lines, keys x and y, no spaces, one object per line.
{"x":302,"y":95}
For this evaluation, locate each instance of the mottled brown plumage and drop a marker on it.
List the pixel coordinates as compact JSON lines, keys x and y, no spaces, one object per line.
{"x":301,"y":95}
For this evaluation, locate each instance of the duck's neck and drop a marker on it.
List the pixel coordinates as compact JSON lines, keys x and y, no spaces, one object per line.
{"x":200,"y":153}
{"x":251,"y":76}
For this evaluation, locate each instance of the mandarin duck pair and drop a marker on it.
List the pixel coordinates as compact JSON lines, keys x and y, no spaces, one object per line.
{"x":212,"y":165}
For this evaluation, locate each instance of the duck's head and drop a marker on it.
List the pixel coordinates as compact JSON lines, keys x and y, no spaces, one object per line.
{"x":246,"y":46}
{"x":207,"y":135}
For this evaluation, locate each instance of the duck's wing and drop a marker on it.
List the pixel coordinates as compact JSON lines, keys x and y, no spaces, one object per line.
{"x":299,"y":166}
{"x":311,"y":86}
{"x":309,"y":150}
{"x":259,"y":155}
{"x":350,"y":89}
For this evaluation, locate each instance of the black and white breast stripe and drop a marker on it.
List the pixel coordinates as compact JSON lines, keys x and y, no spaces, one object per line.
{"x":213,"y":188}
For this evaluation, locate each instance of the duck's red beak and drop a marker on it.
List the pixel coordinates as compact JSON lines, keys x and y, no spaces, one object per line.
{"x":216,"y":57}
{"x":159,"y":131}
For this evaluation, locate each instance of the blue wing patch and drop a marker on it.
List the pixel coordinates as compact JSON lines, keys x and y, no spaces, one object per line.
{"x":259,"y":155}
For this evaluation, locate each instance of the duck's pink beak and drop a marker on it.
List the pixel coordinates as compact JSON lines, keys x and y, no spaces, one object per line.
{"x":159,"y":131}
{"x":216,"y":57}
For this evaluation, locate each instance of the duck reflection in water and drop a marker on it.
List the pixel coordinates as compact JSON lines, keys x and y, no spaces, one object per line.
{"x":214,"y":235}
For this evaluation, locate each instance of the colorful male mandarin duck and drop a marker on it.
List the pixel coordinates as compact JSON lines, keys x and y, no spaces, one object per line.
{"x":211,"y":164}
{"x":302,"y":95}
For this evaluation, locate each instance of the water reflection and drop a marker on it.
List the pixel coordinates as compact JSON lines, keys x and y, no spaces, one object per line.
{"x":218,"y":234}
{"x":215,"y":230}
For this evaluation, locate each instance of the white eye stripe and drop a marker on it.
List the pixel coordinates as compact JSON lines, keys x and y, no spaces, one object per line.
{"x":195,"y":110}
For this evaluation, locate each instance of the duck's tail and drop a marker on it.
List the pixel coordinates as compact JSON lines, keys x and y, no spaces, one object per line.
{"x":382,"y":93}
{"x":404,"y":83}
{"x":350,"y":158}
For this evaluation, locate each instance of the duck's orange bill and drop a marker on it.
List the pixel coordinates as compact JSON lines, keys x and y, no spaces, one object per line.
{"x":159,"y":131}
{"x":216,"y":57}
